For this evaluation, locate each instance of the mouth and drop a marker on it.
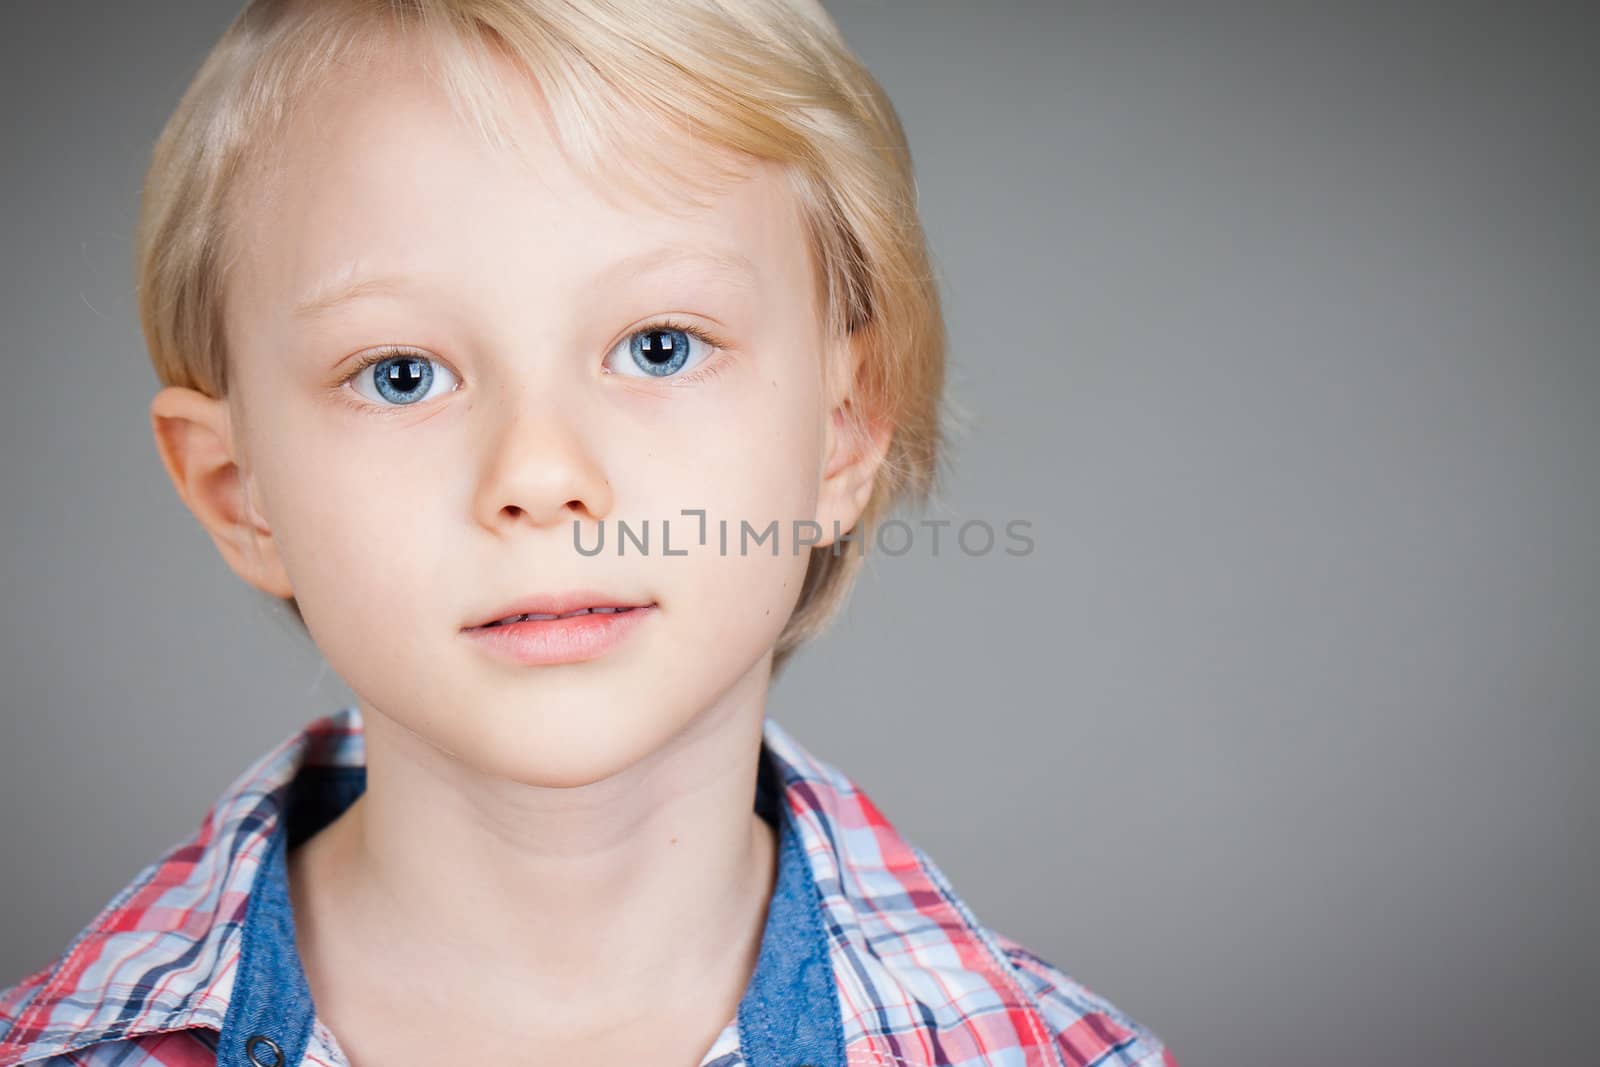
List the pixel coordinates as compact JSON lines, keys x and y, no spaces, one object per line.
{"x":556,"y":612}
{"x":554,"y":631}
{"x":509,"y":619}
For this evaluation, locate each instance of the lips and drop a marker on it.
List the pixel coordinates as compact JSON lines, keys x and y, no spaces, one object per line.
{"x":557,"y":606}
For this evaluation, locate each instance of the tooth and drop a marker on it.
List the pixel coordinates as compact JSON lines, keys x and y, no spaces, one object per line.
{"x":603,"y":611}
{"x":541,"y":616}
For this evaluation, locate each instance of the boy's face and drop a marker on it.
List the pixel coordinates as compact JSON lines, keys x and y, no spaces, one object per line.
{"x":400,"y":514}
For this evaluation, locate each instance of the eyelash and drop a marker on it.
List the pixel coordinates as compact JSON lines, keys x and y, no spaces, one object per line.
{"x":711,"y":367}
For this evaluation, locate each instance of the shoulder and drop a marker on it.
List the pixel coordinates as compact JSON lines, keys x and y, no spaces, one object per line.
{"x":181,"y":1048}
{"x":916,"y":968}
{"x":158,"y":1050}
{"x":1086,"y":1027}
{"x":14,"y":1002}
{"x":96,"y":1003}
{"x":149,"y":979}
{"x":155,"y":961}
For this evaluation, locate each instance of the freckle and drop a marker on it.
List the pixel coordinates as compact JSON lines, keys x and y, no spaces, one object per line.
{"x":674,"y":840}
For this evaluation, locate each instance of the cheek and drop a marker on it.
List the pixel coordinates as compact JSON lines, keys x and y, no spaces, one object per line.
{"x":353,"y":522}
{"x":748,"y":461}
{"x":748,"y":447}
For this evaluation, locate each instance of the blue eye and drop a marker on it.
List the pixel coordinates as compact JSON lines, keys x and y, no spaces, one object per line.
{"x":400,"y":380}
{"x":661,"y":351}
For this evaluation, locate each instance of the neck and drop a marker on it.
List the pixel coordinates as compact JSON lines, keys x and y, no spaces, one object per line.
{"x":580,"y":899}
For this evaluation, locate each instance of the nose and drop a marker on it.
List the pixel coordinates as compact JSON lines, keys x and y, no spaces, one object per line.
{"x":539,"y":465}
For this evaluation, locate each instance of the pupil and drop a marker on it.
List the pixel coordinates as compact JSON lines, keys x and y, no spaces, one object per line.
{"x":658,"y":346}
{"x":405,"y":375}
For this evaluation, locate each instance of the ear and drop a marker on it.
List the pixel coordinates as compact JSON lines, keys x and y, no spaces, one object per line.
{"x":194,"y":436}
{"x":856,"y":442}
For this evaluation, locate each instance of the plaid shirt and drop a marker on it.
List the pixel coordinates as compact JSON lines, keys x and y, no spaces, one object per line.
{"x":867,"y":959}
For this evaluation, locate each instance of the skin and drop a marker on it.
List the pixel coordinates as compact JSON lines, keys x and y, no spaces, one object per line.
{"x":555,"y":863}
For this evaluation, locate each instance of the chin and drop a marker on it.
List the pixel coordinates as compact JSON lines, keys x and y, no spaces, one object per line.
{"x":544,"y":751}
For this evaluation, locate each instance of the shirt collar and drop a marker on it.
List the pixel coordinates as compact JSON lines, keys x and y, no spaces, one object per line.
{"x":860,"y":919}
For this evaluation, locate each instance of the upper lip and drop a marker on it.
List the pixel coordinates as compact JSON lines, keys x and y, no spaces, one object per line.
{"x":557,"y":604}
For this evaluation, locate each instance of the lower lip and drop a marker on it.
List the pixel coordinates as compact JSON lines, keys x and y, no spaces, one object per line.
{"x":546,"y":642}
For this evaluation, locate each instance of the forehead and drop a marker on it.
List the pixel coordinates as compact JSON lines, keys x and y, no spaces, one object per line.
{"x":376,"y":170}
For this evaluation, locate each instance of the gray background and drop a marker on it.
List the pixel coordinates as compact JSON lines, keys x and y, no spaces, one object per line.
{"x":1279,"y":325}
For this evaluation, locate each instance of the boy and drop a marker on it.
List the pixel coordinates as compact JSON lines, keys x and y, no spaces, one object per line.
{"x":440,"y":290}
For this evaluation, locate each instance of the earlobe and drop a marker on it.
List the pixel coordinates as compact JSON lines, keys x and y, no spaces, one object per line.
{"x":194,"y":439}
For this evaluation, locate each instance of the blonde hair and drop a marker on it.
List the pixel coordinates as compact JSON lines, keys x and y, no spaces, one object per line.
{"x":769,"y":79}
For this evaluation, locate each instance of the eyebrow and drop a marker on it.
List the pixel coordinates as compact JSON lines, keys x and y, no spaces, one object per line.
{"x":726,"y":265}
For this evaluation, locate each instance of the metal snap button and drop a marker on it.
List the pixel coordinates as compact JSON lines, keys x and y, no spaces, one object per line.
{"x":263,"y":1051}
